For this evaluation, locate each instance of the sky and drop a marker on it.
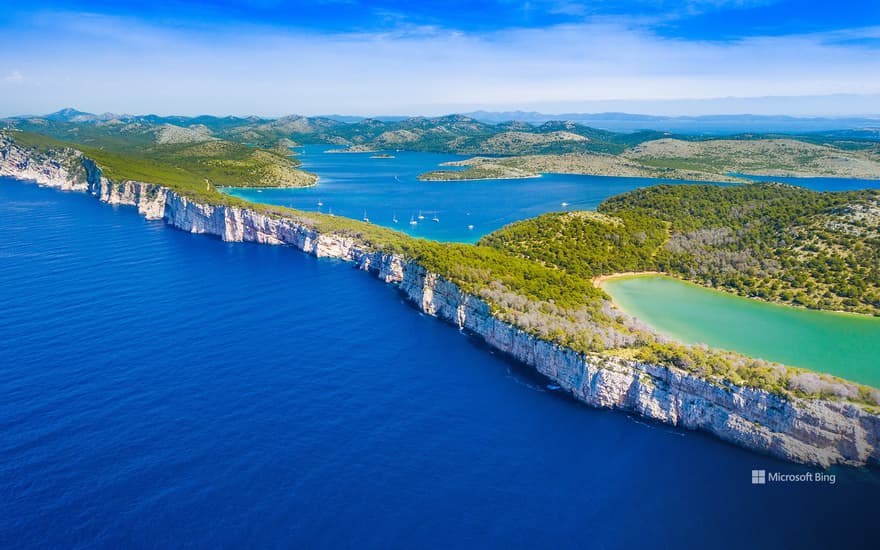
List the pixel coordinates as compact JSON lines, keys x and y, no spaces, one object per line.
{"x":389,"y":57}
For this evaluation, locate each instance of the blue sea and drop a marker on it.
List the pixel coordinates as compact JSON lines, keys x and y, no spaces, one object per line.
{"x":162,"y":389}
{"x":820,"y":184}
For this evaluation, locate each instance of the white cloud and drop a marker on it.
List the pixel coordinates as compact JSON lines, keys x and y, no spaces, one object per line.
{"x":654,"y":10}
{"x":15,"y":77}
{"x":102,"y":63}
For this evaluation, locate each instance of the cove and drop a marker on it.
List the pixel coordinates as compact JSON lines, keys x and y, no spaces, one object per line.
{"x":836,"y":343}
{"x":356,"y":185}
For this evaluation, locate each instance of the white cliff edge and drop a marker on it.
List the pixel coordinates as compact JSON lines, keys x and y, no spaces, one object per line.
{"x":807,"y":431}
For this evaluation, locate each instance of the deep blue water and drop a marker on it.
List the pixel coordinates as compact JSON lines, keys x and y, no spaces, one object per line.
{"x":353,"y":184}
{"x":162,"y":389}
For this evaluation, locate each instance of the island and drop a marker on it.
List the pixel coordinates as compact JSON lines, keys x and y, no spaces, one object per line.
{"x":352,"y":149}
{"x":528,"y":289}
{"x":718,"y":160}
{"x":478,"y":170}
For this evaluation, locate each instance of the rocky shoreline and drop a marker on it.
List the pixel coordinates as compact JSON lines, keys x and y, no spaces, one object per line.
{"x":808,"y":431}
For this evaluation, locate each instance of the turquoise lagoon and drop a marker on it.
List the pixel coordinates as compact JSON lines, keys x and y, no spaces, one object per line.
{"x":842,"y":344}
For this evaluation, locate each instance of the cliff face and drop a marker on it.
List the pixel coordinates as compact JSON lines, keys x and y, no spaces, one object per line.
{"x":807,"y":431}
{"x":62,"y":169}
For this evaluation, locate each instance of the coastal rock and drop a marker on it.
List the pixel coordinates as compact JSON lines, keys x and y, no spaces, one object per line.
{"x":808,"y":431}
{"x":62,"y":169}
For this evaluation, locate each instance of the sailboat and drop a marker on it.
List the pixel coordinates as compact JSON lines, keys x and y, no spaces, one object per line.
{"x":320,"y":202}
{"x":394,"y":218}
{"x":435,"y":218}
{"x":412,"y":221}
{"x":420,"y":215}
{"x":366,"y":219}
{"x":471,"y":227}
{"x":564,"y":204}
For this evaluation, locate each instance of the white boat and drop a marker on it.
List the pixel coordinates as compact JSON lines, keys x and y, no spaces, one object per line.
{"x":435,"y":219}
{"x":366,"y":219}
{"x":394,"y":218}
{"x":564,"y":204}
{"x":471,"y":227}
{"x":320,"y":203}
{"x":421,"y":217}
{"x":412,"y":221}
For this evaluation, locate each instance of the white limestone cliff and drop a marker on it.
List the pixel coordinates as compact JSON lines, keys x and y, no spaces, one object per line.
{"x":809,"y":431}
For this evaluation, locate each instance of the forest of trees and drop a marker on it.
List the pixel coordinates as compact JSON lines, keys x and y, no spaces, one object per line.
{"x":769,"y":241}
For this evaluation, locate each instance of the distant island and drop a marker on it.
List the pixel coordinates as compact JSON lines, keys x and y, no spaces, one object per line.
{"x":666,"y":158}
{"x":528,"y":288}
{"x":479,"y":170}
{"x":352,"y":149}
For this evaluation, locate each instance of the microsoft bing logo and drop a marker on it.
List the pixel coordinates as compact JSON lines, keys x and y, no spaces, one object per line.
{"x":759,"y":477}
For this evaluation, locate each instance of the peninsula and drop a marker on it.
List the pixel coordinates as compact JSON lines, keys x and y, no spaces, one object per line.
{"x":387,"y":274}
{"x":527,"y":290}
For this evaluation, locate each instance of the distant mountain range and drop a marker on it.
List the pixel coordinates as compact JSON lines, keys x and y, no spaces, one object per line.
{"x":487,"y":133}
{"x":868,"y":125}
{"x":451,"y":133}
{"x":536,"y":147}
{"x":694,"y":125}
{"x":707,"y":124}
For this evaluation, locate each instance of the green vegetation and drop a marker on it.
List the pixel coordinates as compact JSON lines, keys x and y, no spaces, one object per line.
{"x":585,"y":244}
{"x":593,"y":164}
{"x":772,"y":157}
{"x":196,"y":167}
{"x":473,"y":268}
{"x":536,"y":274}
{"x":560,"y":146}
{"x":773,"y":242}
{"x":480,"y":172}
{"x":711,"y":160}
{"x":769,"y":241}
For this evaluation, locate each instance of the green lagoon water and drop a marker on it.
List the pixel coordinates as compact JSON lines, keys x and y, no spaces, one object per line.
{"x":844,"y":345}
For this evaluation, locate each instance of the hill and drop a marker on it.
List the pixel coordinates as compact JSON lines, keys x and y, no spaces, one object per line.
{"x":768,"y":241}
